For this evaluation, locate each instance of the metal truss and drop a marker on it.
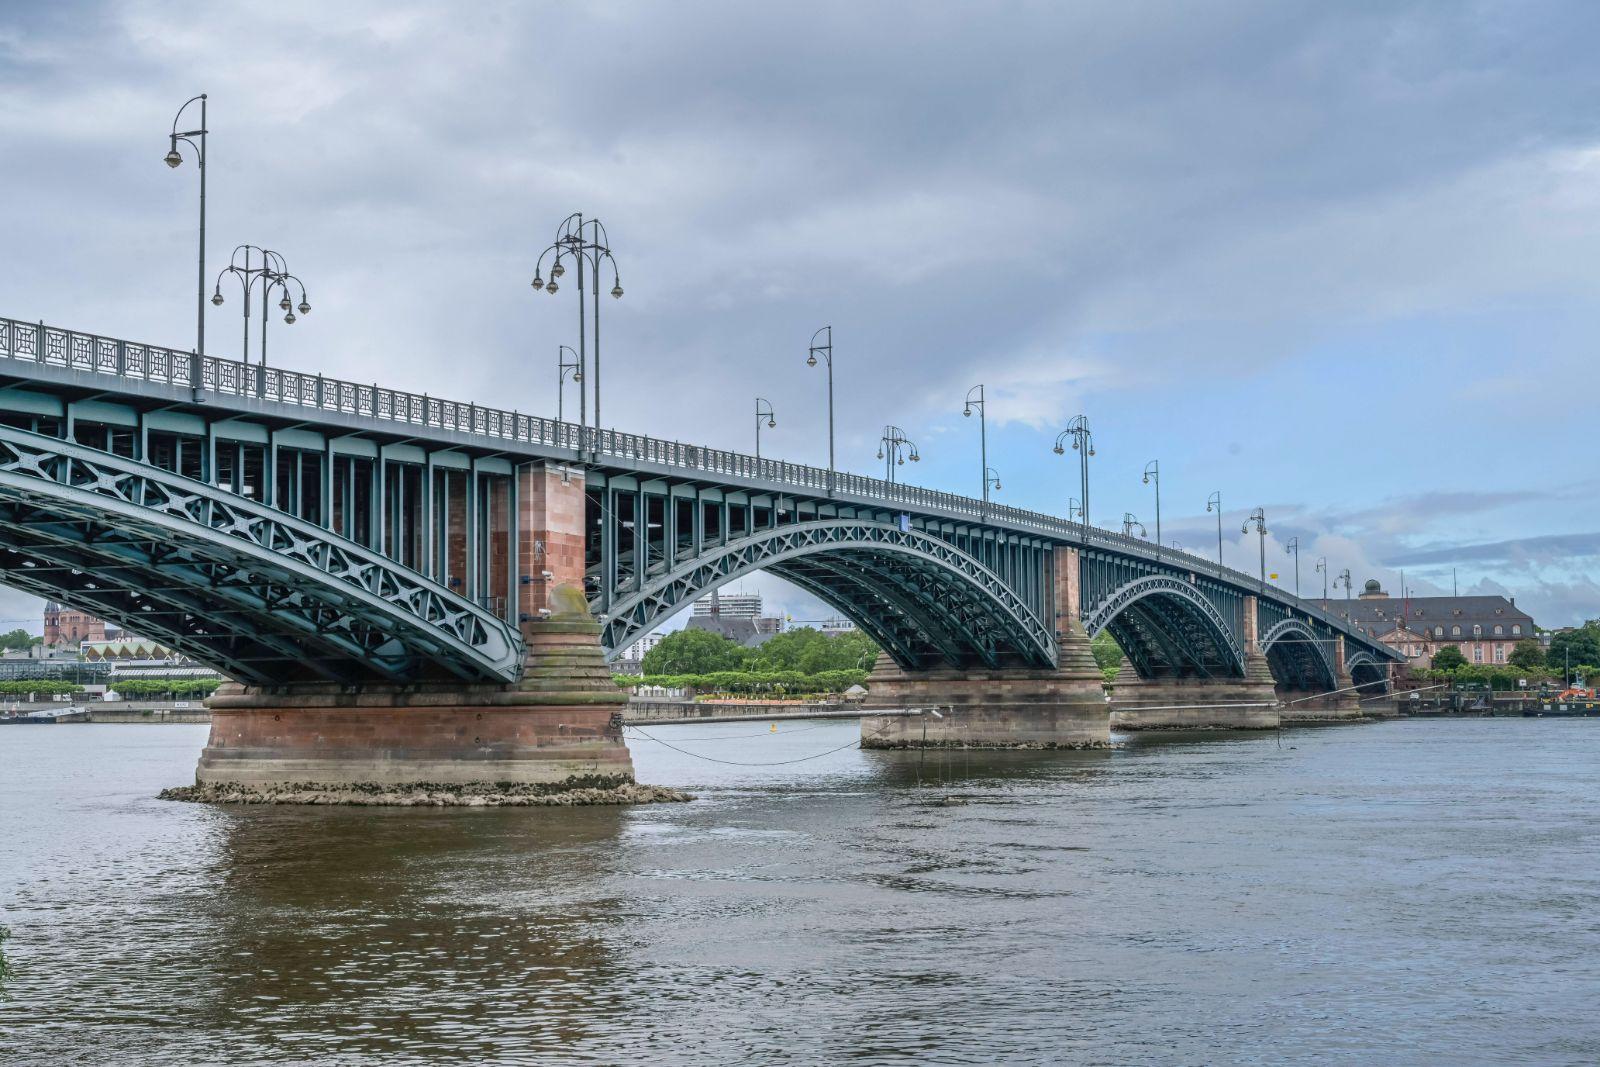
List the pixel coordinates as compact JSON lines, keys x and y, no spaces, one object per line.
{"x":1164,"y":622}
{"x":923,"y":599}
{"x":1299,"y":656}
{"x":261,"y":596}
{"x":1365,"y":670}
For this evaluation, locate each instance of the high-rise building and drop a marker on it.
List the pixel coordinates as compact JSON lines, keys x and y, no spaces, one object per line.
{"x":729,"y":605}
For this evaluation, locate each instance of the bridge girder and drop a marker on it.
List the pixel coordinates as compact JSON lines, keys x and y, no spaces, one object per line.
{"x":261,"y":596}
{"x":1164,"y":623}
{"x":938,"y":603}
{"x":1298,"y":656}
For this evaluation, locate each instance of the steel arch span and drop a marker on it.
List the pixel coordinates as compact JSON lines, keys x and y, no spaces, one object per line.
{"x":1298,"y":656}
{"x":234,"y":583}
{"x":925,"y":601}
{"x":1166,"y":626}
{"x":1366,"y":671}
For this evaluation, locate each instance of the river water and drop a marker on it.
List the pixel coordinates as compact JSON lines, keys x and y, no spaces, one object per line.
{"x":1408,"y":892}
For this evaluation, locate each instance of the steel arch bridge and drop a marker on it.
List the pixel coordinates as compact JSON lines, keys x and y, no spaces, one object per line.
{"x":277,"y":524}
{"x":253,"y":591}
{"x":921,"y":598}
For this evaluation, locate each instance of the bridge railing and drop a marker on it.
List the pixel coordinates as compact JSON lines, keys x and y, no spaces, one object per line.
{"x":53,"y":346}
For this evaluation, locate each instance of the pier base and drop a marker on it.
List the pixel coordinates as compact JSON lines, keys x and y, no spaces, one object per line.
{"x":1248,"y":703}
{"x":559,"y":726}
{"x":1063,"y":708}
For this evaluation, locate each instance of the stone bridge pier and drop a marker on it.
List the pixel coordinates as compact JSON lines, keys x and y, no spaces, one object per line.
{"x":1064,"y":707}
{"x":558,"y":726}
{"x":1249,"y":702}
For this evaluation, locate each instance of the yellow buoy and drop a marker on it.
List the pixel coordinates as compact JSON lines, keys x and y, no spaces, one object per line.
{"x":774,"y":728}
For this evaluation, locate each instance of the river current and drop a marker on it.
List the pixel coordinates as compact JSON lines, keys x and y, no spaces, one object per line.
{"x":1419,"y":892}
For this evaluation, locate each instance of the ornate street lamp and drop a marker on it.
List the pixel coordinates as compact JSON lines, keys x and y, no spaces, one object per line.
{"x":174,"y":158}
{"x":825,"y":350}
{"x":1216,"y":499}
{"x":1074,"y":508}
{"x":1293,"y":545}
{"x":1083,"y":444}
{"x":585,"y":244}
{"x":763,"y":411}
{"x":1259,"y":517}
{"x":1343,"y":576}
{"x":565,"y":367}
{"x":1322,"y":568}
{"x":1129,"y":522}
{"x":271,"y":273}
{"x":991,"y":480}
{"x":894,"y":448}
{"x":1152,"y":475}
{"x":983,"y":439}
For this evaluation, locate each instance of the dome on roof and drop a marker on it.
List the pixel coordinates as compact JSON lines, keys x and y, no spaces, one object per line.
{"x":1373,"y":586}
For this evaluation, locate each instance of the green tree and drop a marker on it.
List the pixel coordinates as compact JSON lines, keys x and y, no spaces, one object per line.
{"x":1577,"y":646}
{"x":1528,"y":655}
{"x":694,"y":652}
{"x":17,"y":639}
{"x":810,"y":651}
{"x":1107,"y":653}
{"x":1448,"y":658}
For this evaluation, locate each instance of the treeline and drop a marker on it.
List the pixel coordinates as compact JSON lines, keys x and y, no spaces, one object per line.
{"x":804,"y":649}
{"x":753,"y":683}
{"x":27,"y":686}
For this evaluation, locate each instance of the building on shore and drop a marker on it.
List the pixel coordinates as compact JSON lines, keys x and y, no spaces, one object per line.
{"x":67,"y":627}
{"x":1484,"y":628}
{"x":736,"y":616}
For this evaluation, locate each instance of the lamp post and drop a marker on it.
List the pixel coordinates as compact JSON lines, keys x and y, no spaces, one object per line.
{"x":1322,"y":568}
{"x":1129,"y":522}
{"x":991,"y":479}
{"x":1216,"y":500}
{"x":272,"y":273}
{"x":174,"y":158}
{"x":1152,"y":475}
{"x":1074,"y":507}
{"x":1083,"y":444}
{"x":1259,"y":517}
{"x":587,"y":245}
{"x":1177,"y":546}
{"x":894,"y":448}
{"x":825,"y":350}
{"x":565,"y":366}
{"x":1293,"y":546}
{"x":1343,"y":576}
{"x":983,"y":440}
{"x":772,"y":421}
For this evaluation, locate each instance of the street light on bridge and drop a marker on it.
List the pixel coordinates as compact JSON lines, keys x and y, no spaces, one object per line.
{"x":272,"y":273}
{"x":564,"y":366}
{"x":586,"y":243}
{"x":894,"y":448}
{"x":1343,"y":576}
{"x":825,"y":350}
{"x":174,"y":158}
{"x":1074,"y":507}
{"x":1129,"y":522}
{"x":991,"y":480}
{"x":1083,"y":444}
{"x":1293,"y":545}
{"x":1214,"y":503}
{"x":1322,"y":568}
{"x":772,"y":421}
{"x":983,"y":439}
{"x":1152,"y":474}
{"x":1259,"y":517}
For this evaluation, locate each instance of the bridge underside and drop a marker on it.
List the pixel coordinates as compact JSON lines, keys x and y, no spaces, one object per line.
{"x":926,"y":603}
{"x":258,"y":595}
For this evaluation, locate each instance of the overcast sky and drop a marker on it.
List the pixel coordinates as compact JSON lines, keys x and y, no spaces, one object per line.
{"x":1336,"y":260}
